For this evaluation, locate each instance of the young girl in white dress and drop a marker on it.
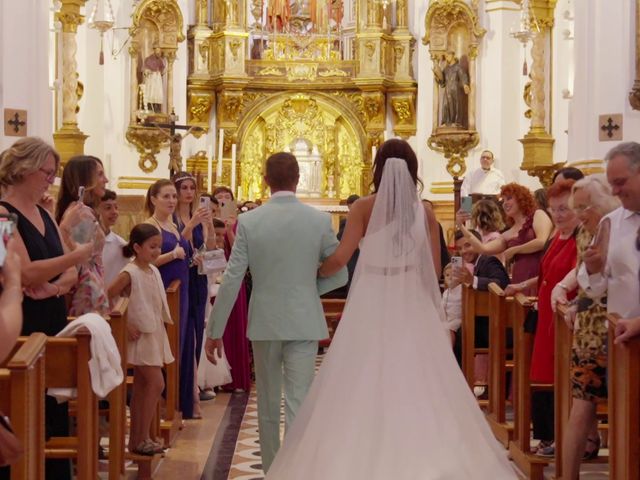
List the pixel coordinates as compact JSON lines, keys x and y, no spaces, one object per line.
{"x":148,"y":347}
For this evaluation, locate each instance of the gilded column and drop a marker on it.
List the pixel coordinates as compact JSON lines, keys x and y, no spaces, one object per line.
{"x":69,"y":139}
{"x":537,"y":83}
{"x":473,"y":55}
{"x":133,"y":81}
{"x":538,"y":143}
{"x":202,"y":13}
{"x":402,"y":13}
{"x":171,"y":57}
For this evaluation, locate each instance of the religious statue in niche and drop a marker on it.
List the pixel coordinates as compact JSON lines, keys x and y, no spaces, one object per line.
{"x":454,"y":82}
{"x":153,"y":69}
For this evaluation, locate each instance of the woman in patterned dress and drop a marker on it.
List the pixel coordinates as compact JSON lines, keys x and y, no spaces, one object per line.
{"x":591,"y":200}
{"x":89,"y":295}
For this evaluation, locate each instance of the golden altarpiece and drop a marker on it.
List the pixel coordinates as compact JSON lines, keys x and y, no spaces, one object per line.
{"x":284,"y":75}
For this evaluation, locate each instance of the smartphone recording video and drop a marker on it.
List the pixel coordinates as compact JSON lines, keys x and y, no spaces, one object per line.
{"x":8,"y":223}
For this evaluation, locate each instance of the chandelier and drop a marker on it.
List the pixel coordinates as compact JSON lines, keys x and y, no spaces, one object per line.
{"x":101,"y":19}
{"x":525,"y":32}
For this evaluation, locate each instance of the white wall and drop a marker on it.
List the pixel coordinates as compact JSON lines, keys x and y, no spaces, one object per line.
{"x":24,"y":65}
{"x":604,"y":73}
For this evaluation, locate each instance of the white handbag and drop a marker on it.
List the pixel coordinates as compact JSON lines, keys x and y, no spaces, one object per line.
{"x":213,"y":261}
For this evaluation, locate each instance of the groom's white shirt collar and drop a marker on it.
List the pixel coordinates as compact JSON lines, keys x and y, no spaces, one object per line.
{"x":283,"y":193}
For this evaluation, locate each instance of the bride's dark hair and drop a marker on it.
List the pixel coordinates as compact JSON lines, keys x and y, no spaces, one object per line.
{"x":395,"y":148}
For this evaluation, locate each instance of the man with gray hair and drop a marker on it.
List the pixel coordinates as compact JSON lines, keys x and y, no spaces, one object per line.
{"x":612,"y":263}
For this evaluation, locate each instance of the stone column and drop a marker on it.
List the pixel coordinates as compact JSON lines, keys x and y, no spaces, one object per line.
{"x":69,"y":139}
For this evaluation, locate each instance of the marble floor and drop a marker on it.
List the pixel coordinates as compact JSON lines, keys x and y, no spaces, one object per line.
{"x":224,"y":445}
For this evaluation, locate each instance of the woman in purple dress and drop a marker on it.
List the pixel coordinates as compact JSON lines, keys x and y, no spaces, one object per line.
{"x":160,"y":203}
{"x":195,"y":225}
{"x":236,"y":344}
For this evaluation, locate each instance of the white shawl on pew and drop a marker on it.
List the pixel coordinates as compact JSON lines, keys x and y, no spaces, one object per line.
{"x":104,"y":366}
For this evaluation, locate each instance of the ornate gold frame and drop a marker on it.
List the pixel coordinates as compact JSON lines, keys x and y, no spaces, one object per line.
{"x":441,"y":18}
{"x":167,"y":17}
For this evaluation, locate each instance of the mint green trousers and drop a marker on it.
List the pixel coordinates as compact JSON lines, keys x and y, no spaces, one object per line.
{"x":278,"y":364}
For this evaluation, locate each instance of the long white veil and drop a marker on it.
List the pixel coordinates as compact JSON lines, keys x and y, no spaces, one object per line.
{"x":389,"y":400}
{"x":397,"y":242}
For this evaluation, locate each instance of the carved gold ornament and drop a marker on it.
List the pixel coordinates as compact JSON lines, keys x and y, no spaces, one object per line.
{"x":271,"y":71}
{"x":302,"y":71}
{"x":148,"y":142}
{"x":199,"y":108}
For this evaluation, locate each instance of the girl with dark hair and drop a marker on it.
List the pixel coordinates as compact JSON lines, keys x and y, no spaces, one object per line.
{"x":89,"y":294}
{"x":395,"y":148}
{"x":160,"y":203}
{"x":195,"y":225}
{"x":148,"y":346}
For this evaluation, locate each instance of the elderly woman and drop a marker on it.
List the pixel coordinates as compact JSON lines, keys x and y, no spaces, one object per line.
{"x":526,"y":237}
{"x":27,"y":170}
{"x":559,"y":259}
{"x":591,"y":200}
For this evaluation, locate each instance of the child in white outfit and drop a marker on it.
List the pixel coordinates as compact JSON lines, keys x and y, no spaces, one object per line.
{"x":148,"y":347}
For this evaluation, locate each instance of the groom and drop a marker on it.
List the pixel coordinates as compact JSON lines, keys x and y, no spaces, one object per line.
{"x":282,"y":243}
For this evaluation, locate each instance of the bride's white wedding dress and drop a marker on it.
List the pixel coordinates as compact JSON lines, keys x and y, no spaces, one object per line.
{"x":390,"y":401}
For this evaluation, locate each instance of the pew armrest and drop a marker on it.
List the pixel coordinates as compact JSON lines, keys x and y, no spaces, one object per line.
{"x":174,"y":286}
{"x":29,"y":352}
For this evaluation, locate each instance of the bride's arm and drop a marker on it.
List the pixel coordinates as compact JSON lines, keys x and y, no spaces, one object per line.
{"x":353,"y":232}
{"x":434,"y":236}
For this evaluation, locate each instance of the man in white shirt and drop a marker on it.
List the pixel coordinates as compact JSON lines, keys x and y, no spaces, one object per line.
{"x":112,"y":258}
{"x":486,"y":180}
{"x":617,"y":270}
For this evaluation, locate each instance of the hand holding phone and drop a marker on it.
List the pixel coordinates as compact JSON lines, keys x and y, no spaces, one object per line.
{"x":228,"y":210}
{"x":466,"y":205}
{"x":205,"y":202}
{"x":8,"y":222}
{"x":81,"y":194}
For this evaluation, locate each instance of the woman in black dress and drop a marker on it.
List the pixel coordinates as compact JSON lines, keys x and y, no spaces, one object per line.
{"x":27,"y":169}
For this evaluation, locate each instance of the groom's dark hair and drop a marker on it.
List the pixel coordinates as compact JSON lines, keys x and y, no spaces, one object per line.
{"x":282,"y":171}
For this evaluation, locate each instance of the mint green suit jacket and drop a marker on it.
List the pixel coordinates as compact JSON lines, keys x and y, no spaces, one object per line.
{"x":282,"y":244}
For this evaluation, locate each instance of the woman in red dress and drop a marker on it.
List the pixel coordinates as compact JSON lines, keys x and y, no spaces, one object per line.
{"x":559,"y":259}
{"x":236,"y":343}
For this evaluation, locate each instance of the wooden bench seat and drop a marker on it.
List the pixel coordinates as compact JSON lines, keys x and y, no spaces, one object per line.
{"x":624,"y":406}
{"x":474,"y":304}
{"x":500,"y":313}
{"x":22,"y":399}
{"x":520,"y":446}
{"x":67,"y":366}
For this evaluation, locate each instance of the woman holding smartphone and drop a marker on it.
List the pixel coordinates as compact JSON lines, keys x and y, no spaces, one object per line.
{"x":82,"y":187}
{"x":27,"y":170}
{"x":196,"y":226}
{"x":236,"y":344}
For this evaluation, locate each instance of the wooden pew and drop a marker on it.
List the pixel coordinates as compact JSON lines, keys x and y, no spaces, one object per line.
{"x":624,"y":406}
{"x":118,"y":397}
{"x":500,"y":318}
{"x":562,"y":378}
{"x":22,"y":399}
{"x":520,"y":447}
{"x":67,"y":366}
{"x":171,"y":424}
{"x":474,"y":303}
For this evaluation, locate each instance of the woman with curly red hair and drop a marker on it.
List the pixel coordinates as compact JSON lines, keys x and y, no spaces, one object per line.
{"x":526,"y":237}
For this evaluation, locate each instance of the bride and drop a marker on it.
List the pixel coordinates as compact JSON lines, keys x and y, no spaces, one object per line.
{"x":390,"y":400}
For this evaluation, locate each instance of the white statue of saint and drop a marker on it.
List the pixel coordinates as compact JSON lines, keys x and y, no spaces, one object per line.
{"x":154,"y":68}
